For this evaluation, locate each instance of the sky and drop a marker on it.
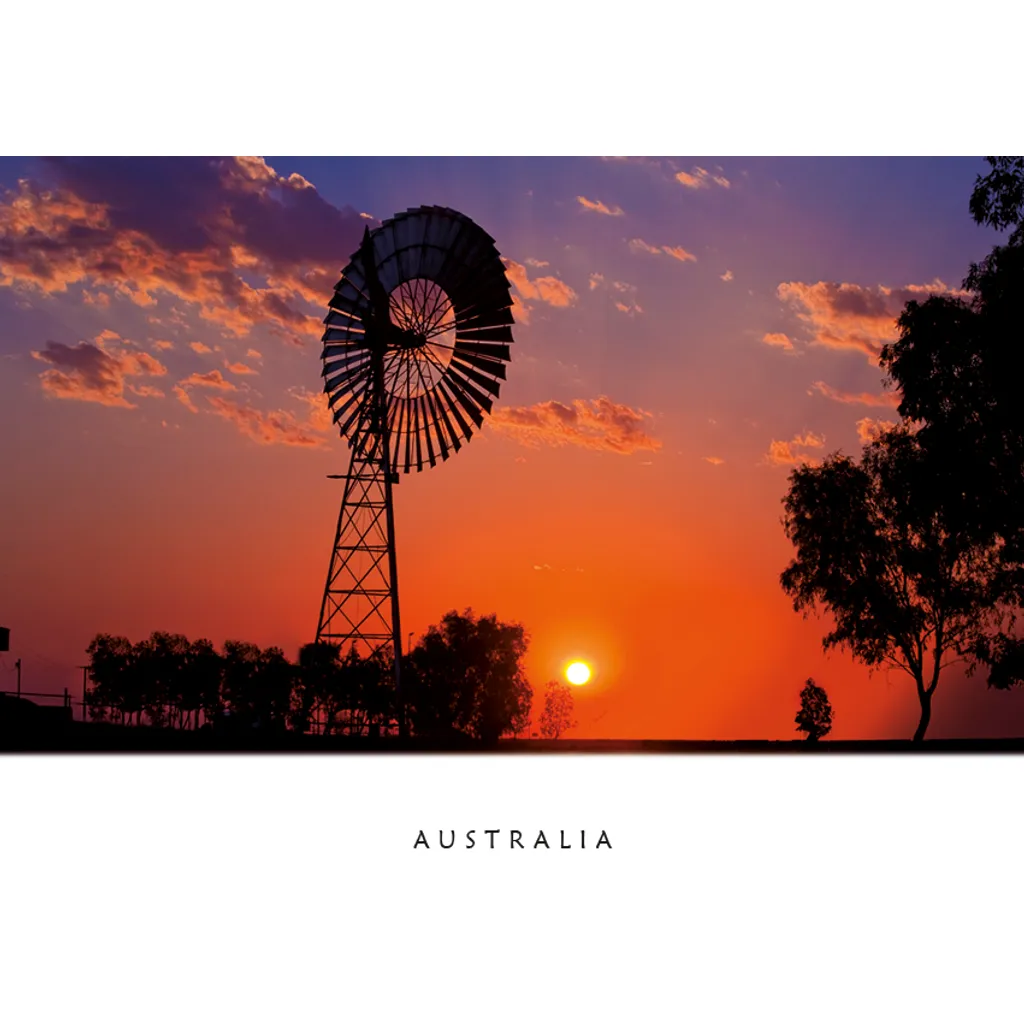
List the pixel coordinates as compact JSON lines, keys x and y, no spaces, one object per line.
{"x":688,"y":329}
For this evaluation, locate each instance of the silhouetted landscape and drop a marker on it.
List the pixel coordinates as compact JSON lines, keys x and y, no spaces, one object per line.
{"x":913,"y":549}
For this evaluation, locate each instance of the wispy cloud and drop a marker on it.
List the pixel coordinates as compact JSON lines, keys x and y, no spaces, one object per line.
{"x":700,"y":178}
{"x":638,"y":245}
{"x":777,"y":340}
{"x":598,"y":207}
{"x":886,"y":399}
{"x":276,"y":427}
{"x":239,"y":368}
{"x":714,"y":460}
{"x":727,"y":276}
{"x":599,"y":424}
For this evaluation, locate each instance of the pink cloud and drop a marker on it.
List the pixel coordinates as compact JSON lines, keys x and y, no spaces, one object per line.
{"x":887,"y":399}
{"x":94,"y":373}
{"x":598,"y":207}
{"x":598,"y":424}
{"x":850,"y":316}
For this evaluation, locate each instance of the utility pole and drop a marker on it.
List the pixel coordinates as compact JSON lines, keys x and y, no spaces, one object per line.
{"x":85,"y":688}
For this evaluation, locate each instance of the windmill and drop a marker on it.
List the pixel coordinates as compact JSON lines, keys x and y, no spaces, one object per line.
{"x":416,"y":341}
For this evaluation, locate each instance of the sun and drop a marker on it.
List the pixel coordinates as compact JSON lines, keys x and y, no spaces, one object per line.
{"x":578,"y":673}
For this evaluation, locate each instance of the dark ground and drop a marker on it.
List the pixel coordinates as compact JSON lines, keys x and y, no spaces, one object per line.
{"x":61,"y":736}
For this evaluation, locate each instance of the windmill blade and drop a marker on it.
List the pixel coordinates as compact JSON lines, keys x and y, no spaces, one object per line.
{"x":487,"y":365}
{"x":466,"y":374}
{"x":467,"y":396}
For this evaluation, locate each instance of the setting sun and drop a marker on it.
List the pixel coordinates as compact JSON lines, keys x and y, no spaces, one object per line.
{"x":578,"y":673}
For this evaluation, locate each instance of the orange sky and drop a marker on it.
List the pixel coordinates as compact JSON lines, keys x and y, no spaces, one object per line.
{"x":165,"y":456}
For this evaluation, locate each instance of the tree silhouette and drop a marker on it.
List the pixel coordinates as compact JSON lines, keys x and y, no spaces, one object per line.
{"x":556,"y":717}
{"x":815,"y":714}
{"x":957,"y":364}
{"x":904,"y":589}
{"x":466,"y":675}
{"x":998,"y":198}
{"x":257,"y":685}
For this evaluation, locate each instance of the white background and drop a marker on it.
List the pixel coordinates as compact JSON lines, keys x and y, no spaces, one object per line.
{"x":287,"y":889}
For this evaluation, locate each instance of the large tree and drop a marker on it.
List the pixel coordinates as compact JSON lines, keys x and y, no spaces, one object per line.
{"x":957,"y":366}
{"x":466,"y":675}
{"x":873,"y":548}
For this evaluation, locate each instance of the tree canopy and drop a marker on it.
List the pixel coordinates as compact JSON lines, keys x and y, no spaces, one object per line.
{"x":466,"y":675}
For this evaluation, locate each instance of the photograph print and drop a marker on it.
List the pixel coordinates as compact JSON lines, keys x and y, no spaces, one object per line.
{"x":518,"y":455}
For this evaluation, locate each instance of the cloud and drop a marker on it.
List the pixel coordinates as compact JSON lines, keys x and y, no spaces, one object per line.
{"x":277,"y":427}
{"x":714,"y":460}
{"x":785,"y":453}
{"x":90,"y":372}
{"x":638,"y":245}
{"x":727,"y":276}
{"x":778,"y":341}
{"x":243,"y":245}
{"x":868,"y":429}
{"x":550,"y":290}
{"x":530,"y":262}
{"x":627,"y":303}
{"x":240,"y":368}
{"x":213,"y":379}
{"x":163,"y":346}
{"x":598,"y":207}
{"x":677,"y":252}
{"x":599,"y":424}
{"x":199,"y":347}
{"x":253,"y":354}
{"x":886,"y":399}
{"x":853,"y":317}
{"x":701,"y":178}
{"x":99,"y":299}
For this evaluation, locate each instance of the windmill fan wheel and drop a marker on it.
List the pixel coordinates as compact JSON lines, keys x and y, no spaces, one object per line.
{"x":417,"y":336}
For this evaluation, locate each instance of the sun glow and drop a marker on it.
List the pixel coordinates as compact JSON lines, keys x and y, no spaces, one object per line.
{"x":578,"y":673}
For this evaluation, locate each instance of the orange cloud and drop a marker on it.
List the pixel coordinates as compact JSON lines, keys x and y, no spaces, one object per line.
{"x":163,"y":346}
{"x":599,"y":424}
{"x":92,"y":373}
{"x":779,"y":341}
{"x":199,"y":347}
{"x":727,"y":276}
{"x":105,"y":227}
{"x":714,"y":460}
{"x":240,"y":368}
{"x":886,"y":399}
{"x":277,"y":427}
{"x":253,"y":354}
{"x":550,"y":290}
{"x":213,"y":379}
{"x":701,"y":178}
{"x":598,"y":207}
{"x":677,"y":252}
{"x":868,"y":429}
{"x":784,"y":453}
{"x":851,"y":316}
